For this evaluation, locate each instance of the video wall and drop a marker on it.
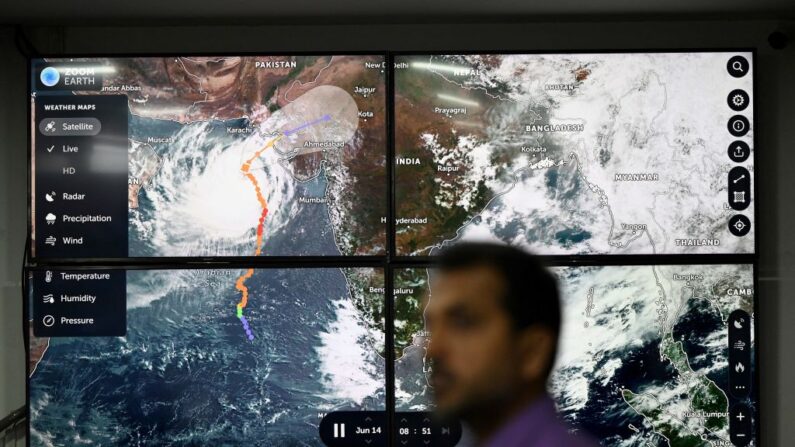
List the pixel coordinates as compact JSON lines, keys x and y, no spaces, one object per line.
{"x":233,"y":250}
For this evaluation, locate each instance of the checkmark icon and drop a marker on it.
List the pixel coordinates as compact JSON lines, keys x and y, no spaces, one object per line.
{"x":49,"y":149}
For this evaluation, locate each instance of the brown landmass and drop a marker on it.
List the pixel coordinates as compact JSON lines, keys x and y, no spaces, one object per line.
{"x":186,"y":89}
{"x":581,"y":74}
{"x":345,"y":72}
{"x":38,"y":347}
{"x":199,"y":88}
{"x":364,"y":201}
{"x":415,"y":98}
{"x":144,"y":163}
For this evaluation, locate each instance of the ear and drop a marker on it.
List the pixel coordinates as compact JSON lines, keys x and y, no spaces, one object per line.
{"x":536,"y":347}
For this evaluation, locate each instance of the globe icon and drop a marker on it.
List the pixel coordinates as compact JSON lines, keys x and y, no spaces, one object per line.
{"x":50,"y":76}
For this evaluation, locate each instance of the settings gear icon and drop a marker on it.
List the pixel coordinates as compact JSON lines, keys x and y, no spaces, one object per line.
{"x":738,"y":100}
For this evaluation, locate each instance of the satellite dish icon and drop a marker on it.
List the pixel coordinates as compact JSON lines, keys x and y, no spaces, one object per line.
{"x":50,"y":218}
{"x":50,"y":196}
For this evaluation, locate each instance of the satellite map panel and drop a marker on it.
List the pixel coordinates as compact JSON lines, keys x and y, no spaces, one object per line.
{"x":211,"y":358}
{"x":653,"y":356}
{"x":624,"y":153}
{"x":225,"y":156}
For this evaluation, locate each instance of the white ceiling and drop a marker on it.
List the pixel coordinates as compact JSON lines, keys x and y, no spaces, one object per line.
{"x":376,"y":11}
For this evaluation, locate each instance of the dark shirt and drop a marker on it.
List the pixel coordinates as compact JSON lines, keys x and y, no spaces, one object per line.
{"x":538,"y":425}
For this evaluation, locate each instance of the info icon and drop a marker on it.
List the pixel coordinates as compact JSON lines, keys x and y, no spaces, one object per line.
{"x":739,"y":125}
{"x":738,"y":100}
{"x":739,"y":225}
{"x":737,"y":66}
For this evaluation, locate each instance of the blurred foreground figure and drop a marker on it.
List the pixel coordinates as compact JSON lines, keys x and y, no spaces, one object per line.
{"x":494,"y":319}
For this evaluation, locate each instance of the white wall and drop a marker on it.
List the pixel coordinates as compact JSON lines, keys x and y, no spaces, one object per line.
{"x":775,"y":154}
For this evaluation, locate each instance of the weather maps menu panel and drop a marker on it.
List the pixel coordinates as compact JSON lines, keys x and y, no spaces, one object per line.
{"x":211,"y":357}
{"x":630,"y":153}
{"x":664,"y":353}
{"x":208,"y":156}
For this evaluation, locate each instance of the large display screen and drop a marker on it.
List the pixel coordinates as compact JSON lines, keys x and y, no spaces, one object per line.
{"x":623,"y":153}
{"x":649,"y":354}
{"x":206,"y":357}
{"x":208,"y":156}
{"x":142,"y":167}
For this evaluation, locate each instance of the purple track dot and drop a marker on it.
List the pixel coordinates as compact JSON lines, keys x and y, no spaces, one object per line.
{"x":251,"y":338}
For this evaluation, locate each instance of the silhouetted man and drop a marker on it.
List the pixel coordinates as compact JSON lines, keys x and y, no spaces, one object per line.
{"x":494,"y":319}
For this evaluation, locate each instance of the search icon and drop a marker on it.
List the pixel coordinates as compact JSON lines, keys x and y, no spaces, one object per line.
{"x":737,"y":66}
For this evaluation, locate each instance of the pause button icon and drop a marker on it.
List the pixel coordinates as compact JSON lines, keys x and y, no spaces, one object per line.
{"x":339,"y":430}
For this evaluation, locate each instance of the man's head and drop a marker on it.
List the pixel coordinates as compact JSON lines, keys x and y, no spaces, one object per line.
{"x":494,"y":318}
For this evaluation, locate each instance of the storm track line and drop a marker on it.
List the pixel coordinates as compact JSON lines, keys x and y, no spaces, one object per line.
{"x":305,"y":125}
{"x":240,"y":284}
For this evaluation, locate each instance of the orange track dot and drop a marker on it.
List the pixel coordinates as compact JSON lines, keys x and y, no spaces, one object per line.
{"x":241,"y":281}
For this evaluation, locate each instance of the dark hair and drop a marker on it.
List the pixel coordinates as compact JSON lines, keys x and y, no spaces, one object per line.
{"x":531,"y":291}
